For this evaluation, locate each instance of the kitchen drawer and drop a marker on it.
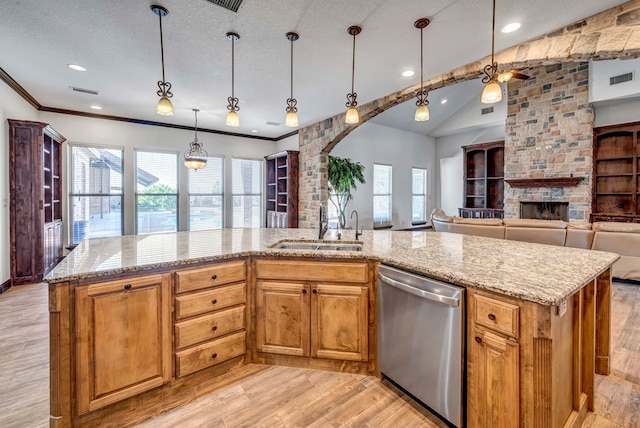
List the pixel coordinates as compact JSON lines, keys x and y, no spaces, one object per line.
{"x":312,"y":271}
{"x":497,"y":315}
{"x":210,"y":353}
{"x":209,"y":327}
{"x":222,"y":273}
{"x":209,"y":300}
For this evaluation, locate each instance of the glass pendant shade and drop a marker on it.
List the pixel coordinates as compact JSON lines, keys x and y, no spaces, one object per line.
{"x":352,"y":116}
{"x":164,"y":108}
{"x":233,"y":119}
{"x":422,"y":113}
{"x":492,"y":93}
{"x":291,"y":120}
{"x":196,"y":157}
{"x":505,"y":76}
{"x":193,"y":163}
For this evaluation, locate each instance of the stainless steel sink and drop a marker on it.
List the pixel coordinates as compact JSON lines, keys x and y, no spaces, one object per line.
{"x":317,"y":246}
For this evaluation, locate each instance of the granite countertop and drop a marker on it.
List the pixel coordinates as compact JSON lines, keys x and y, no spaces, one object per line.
{"x":542,"y":274}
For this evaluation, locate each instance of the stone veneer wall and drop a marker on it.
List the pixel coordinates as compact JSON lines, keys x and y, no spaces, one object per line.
{"x":549,"y":134}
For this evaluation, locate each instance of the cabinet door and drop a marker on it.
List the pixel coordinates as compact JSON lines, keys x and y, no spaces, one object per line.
{"x":339,"y":323}
{"x":282,"y":325}
{"x":123,"y":339}
{"x":493,"y":381}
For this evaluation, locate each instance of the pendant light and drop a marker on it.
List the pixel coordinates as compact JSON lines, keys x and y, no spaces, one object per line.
{"x":352,"y":116}
{"x":232,"y":117}
{"x":196,"y":156}
{"x":292,"y":111}
{"x":492,"y":92}
{"x":164,"y":107}
{"x":422,"y":112}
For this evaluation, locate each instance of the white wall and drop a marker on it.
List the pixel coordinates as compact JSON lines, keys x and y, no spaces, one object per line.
{"x":451,"y":147}
{"x":289,"y":143}
{"x":12,"y":106}
{"x":371,"y":143}
{"x":620,"y":111}
{"x":600,"y":72}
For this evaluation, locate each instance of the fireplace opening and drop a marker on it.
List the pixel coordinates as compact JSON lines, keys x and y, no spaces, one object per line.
{"x":545,"y":210}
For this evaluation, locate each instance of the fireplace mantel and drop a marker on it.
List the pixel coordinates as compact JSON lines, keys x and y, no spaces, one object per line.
{"x":544,"y":182}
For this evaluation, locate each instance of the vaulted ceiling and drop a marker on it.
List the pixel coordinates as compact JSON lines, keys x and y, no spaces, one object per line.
{"x":118,"y":42}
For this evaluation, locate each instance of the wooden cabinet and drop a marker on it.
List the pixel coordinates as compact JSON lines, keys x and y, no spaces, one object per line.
{"x":123,"y":333}
{"x":484,"y":180}
{"x":616,"y":173}
{"x":281,"y":179}
{"x":299,"y":312}
{"x":210,"y":307}
{"x":35,"y":191}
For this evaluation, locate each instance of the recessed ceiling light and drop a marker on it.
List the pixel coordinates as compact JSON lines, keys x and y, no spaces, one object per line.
{"x":444,"y":101}
{"x":255,"y":131}
{"x":408,"y":73}
{"x":510,"y":28}
{"x":96,"y":107}
{"x":76,"y":67}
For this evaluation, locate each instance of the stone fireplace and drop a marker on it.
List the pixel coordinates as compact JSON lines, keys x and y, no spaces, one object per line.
{"x":548,"y":138}
{"x":545,"y":210}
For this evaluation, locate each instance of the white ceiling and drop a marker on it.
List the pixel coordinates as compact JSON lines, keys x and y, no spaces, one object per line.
{"x":118,"y":42}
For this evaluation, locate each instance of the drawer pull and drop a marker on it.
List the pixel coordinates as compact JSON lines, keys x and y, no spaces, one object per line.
{"x":492,"y":317}
{"x":214,"y":301}
{"x":304,"y":291}
{"x":315,"y":291}
{"x":214,"y":276}
{"x":214,"y":356}
{"x":127,"y":286}
{"x":478,"y":339}
{"x":214,"y":328}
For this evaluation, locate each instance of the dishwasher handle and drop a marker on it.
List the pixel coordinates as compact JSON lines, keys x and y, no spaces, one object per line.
{"x":447,"y":300}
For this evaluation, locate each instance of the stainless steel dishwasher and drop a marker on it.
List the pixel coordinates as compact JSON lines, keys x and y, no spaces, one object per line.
{"x":420,"y":333}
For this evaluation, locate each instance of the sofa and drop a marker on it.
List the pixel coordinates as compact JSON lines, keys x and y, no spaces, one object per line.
{"x":620,"y":238}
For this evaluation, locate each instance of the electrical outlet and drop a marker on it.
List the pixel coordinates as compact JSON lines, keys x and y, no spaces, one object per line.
{"x":562,"y":308}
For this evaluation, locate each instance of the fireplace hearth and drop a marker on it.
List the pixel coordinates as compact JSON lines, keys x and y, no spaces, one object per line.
{"x":545,"y":210}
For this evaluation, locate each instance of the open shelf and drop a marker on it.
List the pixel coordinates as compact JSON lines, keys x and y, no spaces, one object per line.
{"x":281,"y":179}
{"x":484,"y":179}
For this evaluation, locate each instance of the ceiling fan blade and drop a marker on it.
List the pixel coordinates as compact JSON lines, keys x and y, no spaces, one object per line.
{"x":520,"y":76}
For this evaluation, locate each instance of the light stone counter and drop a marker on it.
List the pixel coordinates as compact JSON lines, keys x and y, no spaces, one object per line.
{"x":538,"y":273}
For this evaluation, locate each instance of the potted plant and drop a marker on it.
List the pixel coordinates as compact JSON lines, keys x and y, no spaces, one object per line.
{"x":342,"y":177}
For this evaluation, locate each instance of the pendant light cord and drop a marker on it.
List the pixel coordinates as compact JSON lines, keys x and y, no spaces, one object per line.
{"x":196,"y":125}
{"x":233,"y":67}
{"x":292,"y":68}
{"x":353,"y":63}
{"x":421,"y":65}
{"x":161,"y":46}
{"x":493,"y":32}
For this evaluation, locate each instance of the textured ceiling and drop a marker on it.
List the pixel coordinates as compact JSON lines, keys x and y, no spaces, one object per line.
{"x":118,"y":42}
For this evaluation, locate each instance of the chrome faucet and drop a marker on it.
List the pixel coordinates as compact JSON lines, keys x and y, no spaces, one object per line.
{"x":358,"y":232}
{"x":323,"y":223}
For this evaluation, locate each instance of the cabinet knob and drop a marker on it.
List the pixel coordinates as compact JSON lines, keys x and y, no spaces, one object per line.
{"x":304,"y":291}
{"x":214,"y":328}
{"x":214,"y":356}
{"x":315,"y":291}
{"x":127,"y":286}
{"x":214,"y":301}
{"x":492,"y":317}
{"x":478,"y":339}
{"x":214,"y":276}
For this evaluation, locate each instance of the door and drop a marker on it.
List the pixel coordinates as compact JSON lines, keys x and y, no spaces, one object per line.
{"x":339,"y":323}
{"x":493,"y":381}
{"x":123,"y":339}
{"x":282,"y":325}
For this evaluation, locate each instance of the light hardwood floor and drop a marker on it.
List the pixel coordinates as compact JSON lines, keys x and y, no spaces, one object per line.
{"x":282,"y":396}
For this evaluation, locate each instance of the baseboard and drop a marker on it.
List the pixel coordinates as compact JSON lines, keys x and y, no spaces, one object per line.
{"x":5,"y":286}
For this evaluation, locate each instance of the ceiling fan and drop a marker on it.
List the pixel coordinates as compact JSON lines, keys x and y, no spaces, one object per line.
{"x":505,"y":76}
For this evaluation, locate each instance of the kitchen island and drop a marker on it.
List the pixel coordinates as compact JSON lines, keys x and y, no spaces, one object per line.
{"x":537,"y":323}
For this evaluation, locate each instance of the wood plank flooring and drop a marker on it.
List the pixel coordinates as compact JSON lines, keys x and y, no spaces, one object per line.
{"x":288,"y":397}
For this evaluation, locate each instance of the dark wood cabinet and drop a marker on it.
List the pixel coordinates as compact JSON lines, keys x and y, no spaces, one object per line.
{"x":35,"y":191}
{"x":483,"y":180}
{"x":281,"y":170}
{"x":616,"y":173}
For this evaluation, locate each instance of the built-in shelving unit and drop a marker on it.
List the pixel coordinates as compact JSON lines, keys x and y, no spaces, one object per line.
{"x":483,"y":180}
{"x":616,"y":173}
{"x":281,"y":170}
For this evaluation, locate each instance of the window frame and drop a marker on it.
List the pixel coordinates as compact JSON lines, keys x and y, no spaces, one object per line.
{"x":424,"y":195}
{"x":389,"y":223}
{"x":70,"y":187}
{"x":222,"y":194}
{"x":261,"y":187}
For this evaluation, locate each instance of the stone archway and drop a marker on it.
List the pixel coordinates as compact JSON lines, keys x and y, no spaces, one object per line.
{"x":612,"y":34}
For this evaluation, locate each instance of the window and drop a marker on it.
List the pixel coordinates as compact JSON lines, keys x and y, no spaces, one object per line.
{"x":381,"y":195}
{"x":157,"y":192}
{"x":419,"y":195}
{"x":246,"y":186}
{"x":95,"y":192}
{"x":206,"y":196}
